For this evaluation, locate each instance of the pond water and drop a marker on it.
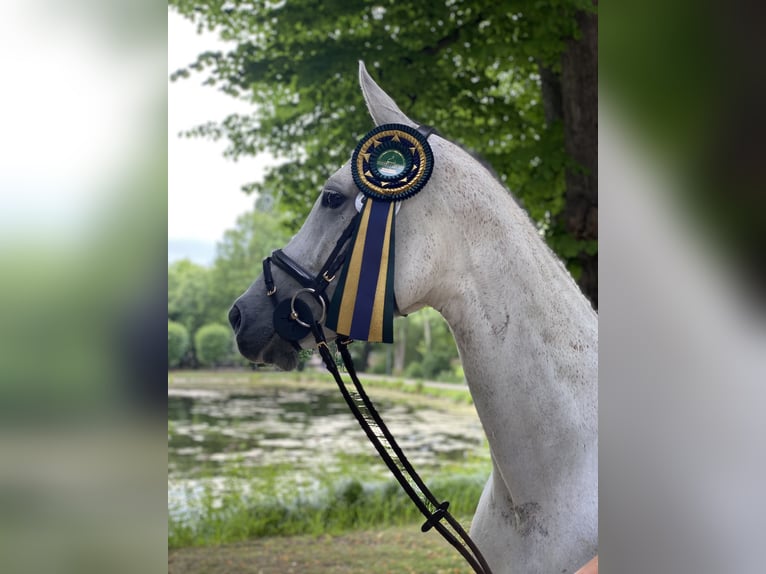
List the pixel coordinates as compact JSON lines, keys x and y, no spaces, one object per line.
{"x":270,"y":440}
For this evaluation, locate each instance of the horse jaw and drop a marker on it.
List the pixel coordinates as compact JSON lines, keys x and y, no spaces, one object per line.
{"x":279,"y":354}
{"x":381,"y":106}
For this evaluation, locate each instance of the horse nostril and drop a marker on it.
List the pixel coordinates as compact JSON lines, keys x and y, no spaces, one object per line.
{"x":235,"y":318}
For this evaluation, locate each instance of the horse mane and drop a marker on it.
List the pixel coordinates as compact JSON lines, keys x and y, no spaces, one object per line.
{"x":483,"y":162}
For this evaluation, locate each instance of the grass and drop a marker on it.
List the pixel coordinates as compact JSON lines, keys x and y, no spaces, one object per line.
{"x":458,"y":395}
{"x":347,"y":506}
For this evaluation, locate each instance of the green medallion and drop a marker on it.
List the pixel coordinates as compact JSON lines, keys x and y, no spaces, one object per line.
{"x":391,"y":163}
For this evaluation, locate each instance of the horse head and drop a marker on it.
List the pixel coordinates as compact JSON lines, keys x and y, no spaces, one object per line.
{"x":424,"y":243}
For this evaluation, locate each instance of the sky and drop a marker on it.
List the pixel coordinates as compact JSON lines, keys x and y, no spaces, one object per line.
{"x":204,"y":195}
{"x":64,"y":98}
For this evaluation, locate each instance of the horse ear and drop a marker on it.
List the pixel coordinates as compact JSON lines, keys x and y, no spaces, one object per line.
{"x":382,"y":108}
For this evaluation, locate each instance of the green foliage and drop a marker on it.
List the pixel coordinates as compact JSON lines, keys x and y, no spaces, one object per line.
{"x":344,"y":506}
{"x":414,"y":371}
{"x":188,"y":294}
{"x":199,"y":295}
{"x":436,"y":362}
{"x":472,"y":68}
{"x":430,"y":343}
{"x":214,"y":344}
{"x":178,"y":343}
{"x":380,"y":365}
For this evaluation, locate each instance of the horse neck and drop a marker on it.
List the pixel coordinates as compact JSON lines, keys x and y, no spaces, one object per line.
{"x":528,"y":342}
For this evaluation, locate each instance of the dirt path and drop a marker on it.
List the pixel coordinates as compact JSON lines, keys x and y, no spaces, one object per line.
{"x":401,"y":550}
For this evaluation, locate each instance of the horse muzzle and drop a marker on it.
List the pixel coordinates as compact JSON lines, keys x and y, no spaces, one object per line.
{"x":271,"y":326}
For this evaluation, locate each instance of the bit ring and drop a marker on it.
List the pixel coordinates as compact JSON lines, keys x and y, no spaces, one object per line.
{"x":294,"y":315}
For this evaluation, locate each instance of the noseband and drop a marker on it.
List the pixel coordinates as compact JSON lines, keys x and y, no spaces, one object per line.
{"x":293,"y":320}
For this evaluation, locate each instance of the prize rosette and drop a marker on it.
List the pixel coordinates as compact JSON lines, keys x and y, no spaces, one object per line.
{"x":392,"y":163}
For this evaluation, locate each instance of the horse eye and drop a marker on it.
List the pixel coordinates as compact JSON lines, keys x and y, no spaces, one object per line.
{"x":332,"y":199}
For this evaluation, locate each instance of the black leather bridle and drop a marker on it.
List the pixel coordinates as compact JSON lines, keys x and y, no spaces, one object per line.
{"x":294,"y":321}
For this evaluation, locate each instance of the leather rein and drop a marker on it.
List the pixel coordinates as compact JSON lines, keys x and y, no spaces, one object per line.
{"x":293,"y":321}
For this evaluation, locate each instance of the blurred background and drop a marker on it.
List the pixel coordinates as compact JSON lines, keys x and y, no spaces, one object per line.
{"x":84,"y":223}
{"x":82,"y":291}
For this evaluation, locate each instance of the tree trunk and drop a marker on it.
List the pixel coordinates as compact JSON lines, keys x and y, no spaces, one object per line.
{"x":579,"y":100}
{"x":427,"y":333}
{"x":400,"y":349}
{"x":364,"y":356}
{"x":572,"y":97}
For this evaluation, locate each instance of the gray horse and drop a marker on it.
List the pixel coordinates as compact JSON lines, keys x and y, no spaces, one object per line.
{"x":528,"y":341}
